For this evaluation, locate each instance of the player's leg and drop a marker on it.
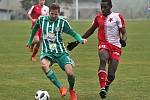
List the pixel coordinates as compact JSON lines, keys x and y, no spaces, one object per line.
{"x":36,"y":42}
{"x":35,"y":49}
{"x":102,"y":74}
{"x":112,"y":67}
{"x":66,"y":64}
{"x":70,"y":75}
{"x":71,"y":80}
{"x":46,"y":64}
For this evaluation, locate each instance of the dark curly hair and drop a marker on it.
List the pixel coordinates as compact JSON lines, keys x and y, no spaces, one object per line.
{"x":109,"y":2}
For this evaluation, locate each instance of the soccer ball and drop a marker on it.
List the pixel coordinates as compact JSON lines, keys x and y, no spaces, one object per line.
{"x":42,"y":95}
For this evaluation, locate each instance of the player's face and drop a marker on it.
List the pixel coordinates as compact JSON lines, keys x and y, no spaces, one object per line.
{"x":54,"y":14}
{"x":105,"y":8}
{"x":41,"y":2}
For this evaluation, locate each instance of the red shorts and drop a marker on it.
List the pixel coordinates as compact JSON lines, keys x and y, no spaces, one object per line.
{"x":114,"y":51}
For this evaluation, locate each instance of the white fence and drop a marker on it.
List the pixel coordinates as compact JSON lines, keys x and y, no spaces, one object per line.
{"x":131,"y":9}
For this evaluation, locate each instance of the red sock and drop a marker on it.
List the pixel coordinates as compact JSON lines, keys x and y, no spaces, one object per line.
{"x":35,"y":50}
{"x":102,"y":78}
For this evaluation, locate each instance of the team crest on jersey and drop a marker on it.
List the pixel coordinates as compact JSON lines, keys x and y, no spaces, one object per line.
{"x":51,"y":37}
{"x":57,"y":29}
{"x":110,"y":20}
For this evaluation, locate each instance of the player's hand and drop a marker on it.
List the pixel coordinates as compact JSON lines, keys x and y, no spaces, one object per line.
{"x":84,"y":41}
{"x":123,"y":43}
{"x":72,"y":45}
{"x":34,"y":20}
{"x":28,"y":46}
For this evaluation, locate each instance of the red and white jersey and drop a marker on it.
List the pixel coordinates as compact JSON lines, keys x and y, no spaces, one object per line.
{"x":37,"y":10}
{"x":109,"y":28}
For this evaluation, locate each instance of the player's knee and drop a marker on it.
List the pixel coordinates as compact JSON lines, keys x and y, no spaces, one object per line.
{"x":70,"y":73}
{"x":103,"y":57}
{"x":36,"y":38}
{"x":44,"y":66}
{"x":111,"y":77}
{"x":69,"y":70}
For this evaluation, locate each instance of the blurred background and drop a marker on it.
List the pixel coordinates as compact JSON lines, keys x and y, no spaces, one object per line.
{"x":76,"y":9}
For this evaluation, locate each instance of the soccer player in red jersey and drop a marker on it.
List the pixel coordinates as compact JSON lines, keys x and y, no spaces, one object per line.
{"x":112,"y":37}
{"x":33,"y":14}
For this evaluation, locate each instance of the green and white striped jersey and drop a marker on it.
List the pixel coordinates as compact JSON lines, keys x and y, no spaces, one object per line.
{"x":52,"y":41}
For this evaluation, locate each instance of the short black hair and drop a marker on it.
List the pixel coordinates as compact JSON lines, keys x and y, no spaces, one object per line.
{"x":109,"y":2}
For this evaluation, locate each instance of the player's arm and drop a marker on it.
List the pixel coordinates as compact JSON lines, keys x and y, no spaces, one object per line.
{"x":76,"y":36}
{"x":123,"y":37}
{"x":30,"y":17}
{"x":34,"y":30}
{"x":89,"y":32}
{"x":29,"y":14}
{"x":67,"y":29}
{"x":122,"y":29}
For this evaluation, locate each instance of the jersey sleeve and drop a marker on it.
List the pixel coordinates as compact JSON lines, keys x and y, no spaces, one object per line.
{"x":120,"y":21}
{"x":47,"y":13}
{"x":45,"y":10}
{"x":30,"y":11}
{"x":68,"y":29}
{"x":34,"y":30}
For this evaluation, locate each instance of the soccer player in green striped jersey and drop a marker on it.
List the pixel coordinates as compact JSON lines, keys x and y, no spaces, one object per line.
{"x":53,"y":49}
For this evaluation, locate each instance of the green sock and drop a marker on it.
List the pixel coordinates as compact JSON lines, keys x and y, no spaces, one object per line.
{"x":71,"y":80}
{"x":53,"y":78}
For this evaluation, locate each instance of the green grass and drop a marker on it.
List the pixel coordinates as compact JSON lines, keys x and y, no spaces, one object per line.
{"x":20,"y":78}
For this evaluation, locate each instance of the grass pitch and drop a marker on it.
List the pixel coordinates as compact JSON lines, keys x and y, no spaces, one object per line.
{"x":20,"y":78}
